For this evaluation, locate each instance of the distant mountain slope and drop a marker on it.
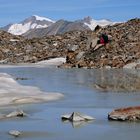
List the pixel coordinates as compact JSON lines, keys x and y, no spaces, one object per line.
{"x":92,"y":23}
{"x":33,"y":22}
{"x":36,"y":26}
{"x":62,"y":26}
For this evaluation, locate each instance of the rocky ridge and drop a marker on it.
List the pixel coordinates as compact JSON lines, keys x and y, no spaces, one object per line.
{"x":122,"y":49}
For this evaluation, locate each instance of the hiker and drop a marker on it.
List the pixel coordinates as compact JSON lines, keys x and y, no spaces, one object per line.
{"x":102,"y":41}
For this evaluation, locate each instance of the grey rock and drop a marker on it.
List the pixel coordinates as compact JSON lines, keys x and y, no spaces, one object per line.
{"x":94,"y":42}
{"x":80,"y":55}
{"x":76,"y":116}
{"x":26,"y":58}
{"x":19,"y":54}
{"x":72,"y":47}
{"x":46,"y":47}
{"x":5,"y":50}
{"x":4,"y":61}
{"x":15,"y":133}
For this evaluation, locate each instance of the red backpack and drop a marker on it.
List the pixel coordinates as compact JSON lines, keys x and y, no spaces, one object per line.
{"x":102,"y":41}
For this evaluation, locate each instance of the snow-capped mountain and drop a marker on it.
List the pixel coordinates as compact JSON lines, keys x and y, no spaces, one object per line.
{"x":33,"y":22}
{"x":62,"y":26}
{"x":92,"y":23}
{"x":36,"y":26}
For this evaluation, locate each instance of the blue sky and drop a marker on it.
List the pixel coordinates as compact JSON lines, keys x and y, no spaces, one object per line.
{"x":12,"y":11}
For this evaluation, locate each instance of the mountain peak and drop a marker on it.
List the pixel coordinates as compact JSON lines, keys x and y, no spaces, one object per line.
{"x":92,"y":23}
{"x":35,"y":19}
{"x":87,"y":19}
{"x":29,"y":23}
{"x":42,"y":18}
{"x":36,"y":22}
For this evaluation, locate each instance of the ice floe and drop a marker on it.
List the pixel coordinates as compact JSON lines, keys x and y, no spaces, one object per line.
{"x":11,"y":92}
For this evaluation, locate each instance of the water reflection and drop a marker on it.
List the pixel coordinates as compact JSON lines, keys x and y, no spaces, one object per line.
{"x":117,"y":80}
{"x":80,"y":95}
{"x":78,"y":124}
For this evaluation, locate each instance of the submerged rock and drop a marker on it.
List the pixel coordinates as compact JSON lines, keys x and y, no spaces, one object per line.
{"x":21,"y":78}
{"x":14,"y":133}
{"x":17,"y":113}
{"x":76,"y":117}
{"x":125,"y":114}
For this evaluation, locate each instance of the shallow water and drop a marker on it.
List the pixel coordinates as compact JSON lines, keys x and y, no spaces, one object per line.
{"x":77,"y":85}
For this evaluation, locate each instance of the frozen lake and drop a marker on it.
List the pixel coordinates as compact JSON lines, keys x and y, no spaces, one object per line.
{"x":78,"y":86}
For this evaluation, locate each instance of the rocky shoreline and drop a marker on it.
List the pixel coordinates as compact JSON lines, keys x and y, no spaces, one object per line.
{"x":122,"y":49}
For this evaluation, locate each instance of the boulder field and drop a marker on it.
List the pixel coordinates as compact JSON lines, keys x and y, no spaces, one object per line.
{"x":122,"y":50}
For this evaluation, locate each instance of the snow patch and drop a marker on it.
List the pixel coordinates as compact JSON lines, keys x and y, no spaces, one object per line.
{"x":41,"y":26}
{"x":18,"y":29}
{"x":45,"y":63}
{"x":21,"y":28}
{"x":54,"y":61}
{"x":14,"y":40}
{"x":43,"y":18}
{"x":102,"y":23}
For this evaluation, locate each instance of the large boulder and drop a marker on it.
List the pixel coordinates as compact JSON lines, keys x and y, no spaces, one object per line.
{"x":125,"y":114}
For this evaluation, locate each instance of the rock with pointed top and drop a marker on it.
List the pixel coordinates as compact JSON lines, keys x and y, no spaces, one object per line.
{"x":76,"y":116}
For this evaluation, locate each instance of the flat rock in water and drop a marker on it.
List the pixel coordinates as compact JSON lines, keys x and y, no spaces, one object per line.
{"x":125,"y":114}
{"x":14,"y":133}
{"x":75,"y":116}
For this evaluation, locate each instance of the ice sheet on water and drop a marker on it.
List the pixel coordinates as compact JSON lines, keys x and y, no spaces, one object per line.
{"x":11,"y":92}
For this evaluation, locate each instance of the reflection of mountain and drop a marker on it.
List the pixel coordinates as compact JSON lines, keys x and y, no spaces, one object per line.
{"x":117,"y":81}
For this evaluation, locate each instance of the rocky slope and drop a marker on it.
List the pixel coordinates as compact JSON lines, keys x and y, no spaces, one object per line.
{"x":123,"y":48}
{"x":17,"y":49}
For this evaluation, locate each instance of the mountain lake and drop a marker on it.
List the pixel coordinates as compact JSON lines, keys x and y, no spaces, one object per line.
{"x":90,"y":91}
